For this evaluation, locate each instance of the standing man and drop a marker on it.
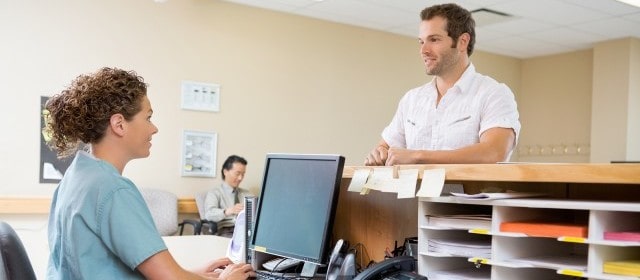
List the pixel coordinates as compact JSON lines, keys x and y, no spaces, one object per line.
{"x":460,"y":116}
{"x":224,"y":202}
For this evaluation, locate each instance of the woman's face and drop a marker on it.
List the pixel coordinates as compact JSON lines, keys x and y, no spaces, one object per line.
{"x":140,"y":129}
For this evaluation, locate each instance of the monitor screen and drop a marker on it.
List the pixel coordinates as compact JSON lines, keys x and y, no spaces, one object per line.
{"x":297,"y":205}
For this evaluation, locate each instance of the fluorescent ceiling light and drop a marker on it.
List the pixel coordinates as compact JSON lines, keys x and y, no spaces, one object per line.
{"x":635,"y":3}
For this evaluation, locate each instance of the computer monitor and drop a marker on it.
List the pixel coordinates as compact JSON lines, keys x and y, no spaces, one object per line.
{"x":297,"y":206}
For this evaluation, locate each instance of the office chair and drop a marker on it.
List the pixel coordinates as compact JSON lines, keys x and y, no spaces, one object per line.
{"x":13,"y":257}
{"x":163,"y":206}
{"x":206,"y":226}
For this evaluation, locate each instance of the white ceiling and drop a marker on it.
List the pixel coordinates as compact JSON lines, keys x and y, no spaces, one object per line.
{"x":536,"y":28}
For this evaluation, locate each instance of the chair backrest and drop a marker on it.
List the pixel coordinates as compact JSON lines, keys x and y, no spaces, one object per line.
{"x":13,"y":257}
{"x":163,"y":206}
{"x":208,"y":227}
{"x":200,"y":197}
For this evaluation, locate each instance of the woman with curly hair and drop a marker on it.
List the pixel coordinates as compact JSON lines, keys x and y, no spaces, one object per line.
{"x":99,"y":225}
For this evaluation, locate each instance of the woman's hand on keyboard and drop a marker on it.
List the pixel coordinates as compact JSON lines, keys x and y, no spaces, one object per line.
{"x":237,"y":272}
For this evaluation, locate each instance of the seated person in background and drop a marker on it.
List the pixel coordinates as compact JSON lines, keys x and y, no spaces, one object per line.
{"x":223,"y":203}
{"x":99,"y":224}
{"x":460,"y":116}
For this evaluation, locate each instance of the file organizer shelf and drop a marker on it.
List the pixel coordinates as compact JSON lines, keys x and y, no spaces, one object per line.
{"x":603,"y":203}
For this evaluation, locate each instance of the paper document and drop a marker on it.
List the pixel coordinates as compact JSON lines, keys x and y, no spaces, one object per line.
{"x":358,"y":180}
{"x":624,"y":267}
{"x":381,"y":179}
{"x":406,"y":183}
{"x":556,"y":262}
{"x":472,"y":273}
{"x":470,"y":247}
{"x":622,"y":235}
{"x":432,"y":183}
{"x":489,"y":196}
{"x":478,"y":221}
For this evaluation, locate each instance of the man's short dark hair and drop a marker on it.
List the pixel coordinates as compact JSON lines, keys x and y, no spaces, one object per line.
{"x":228,"y":164}
{"x":459,"y":21}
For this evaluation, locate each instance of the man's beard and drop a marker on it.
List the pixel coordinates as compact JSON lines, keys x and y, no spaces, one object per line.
{"x":446,"y":62}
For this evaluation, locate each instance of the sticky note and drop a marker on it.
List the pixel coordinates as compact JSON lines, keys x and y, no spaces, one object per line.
{"x":358,"y":180}
{"x":432,"y":183}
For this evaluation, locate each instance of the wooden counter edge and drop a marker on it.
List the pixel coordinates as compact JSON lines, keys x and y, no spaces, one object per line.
{"x":29,"y":205}
{"x":529,"y":172}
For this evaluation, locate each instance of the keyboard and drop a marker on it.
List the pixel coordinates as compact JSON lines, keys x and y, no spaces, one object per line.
{"x":280,"y":264}
{"x":267,"y":275}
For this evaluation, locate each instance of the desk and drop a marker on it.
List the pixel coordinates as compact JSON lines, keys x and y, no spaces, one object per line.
{"x":194,"y":251}
{"x":379,"y":219}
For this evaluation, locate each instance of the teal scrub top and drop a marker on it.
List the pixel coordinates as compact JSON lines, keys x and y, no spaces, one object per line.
{"x":99,"y":224}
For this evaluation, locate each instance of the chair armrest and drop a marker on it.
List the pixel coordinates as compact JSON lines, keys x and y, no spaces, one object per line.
{"x":209,"y":227}
{"x":197,"y":226}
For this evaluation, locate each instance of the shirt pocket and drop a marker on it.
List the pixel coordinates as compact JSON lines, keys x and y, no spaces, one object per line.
{"x":461,"y":131}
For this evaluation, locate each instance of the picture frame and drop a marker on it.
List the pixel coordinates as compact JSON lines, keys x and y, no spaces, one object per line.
{"x":52,"y":168}
{"x":199,"y":96}
{"x":199,"y":151}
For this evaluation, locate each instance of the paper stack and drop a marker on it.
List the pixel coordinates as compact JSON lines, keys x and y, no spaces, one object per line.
{"x":573,"y":262}
{"x":628,"y":267}
{"x":622,"y":235}
{"x":491,"y":196}
{"x":472,"y":273}
{"x":545,"y":229}
{"x":471,"y":247}
{"x":467,"y":221}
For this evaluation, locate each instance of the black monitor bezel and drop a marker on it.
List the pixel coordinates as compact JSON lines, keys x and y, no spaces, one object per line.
{"x":328,"y":228}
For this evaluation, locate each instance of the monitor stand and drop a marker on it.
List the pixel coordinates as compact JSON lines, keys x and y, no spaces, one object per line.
{"x":309,"y":270}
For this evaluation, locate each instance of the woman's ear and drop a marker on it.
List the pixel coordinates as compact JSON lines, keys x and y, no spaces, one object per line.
{"x":117,"y":124}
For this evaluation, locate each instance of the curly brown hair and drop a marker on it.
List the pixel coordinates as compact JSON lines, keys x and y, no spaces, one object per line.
{"x":81,"y":112}
{"x":459,"y":21}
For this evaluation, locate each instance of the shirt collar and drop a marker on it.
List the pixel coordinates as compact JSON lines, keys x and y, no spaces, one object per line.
{"x":84,"y":155}
{"x":463,"y":83}
{"x":227,"y":187}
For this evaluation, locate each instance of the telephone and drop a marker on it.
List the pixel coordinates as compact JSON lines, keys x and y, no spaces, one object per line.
{"x":341,"y":263}
{"x":398,"y":268}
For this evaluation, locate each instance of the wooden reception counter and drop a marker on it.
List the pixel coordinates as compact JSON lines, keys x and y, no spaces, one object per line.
{"x":378,"y":220}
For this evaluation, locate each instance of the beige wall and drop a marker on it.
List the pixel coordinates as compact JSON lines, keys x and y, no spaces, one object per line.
{"x":633,"y":129}
{"x":615,"y":118}
{"x":288,"y":84}
{"x":555,"y":108}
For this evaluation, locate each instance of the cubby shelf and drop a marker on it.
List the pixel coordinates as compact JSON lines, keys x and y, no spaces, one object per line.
{"x":516,"y":255}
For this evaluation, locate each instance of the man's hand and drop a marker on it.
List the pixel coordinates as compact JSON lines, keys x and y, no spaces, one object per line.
{"x":377,"y":156}
{"x":401,"y":156}
{"x":235,"y":209}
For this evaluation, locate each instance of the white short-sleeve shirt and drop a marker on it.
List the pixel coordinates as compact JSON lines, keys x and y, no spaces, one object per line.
{"x":473,"y":105}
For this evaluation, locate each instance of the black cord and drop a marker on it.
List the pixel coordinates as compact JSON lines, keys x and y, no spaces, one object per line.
{"x":361,"y":252}
{"x":275,"y":267}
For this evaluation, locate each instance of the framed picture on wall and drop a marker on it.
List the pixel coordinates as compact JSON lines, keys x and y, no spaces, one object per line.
{"x":200,"y":96}
{"x":52,"y":168}
{"x":199,"y":150}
